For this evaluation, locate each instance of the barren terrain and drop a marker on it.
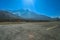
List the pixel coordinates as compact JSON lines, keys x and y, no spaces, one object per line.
{"x":30,"y":31}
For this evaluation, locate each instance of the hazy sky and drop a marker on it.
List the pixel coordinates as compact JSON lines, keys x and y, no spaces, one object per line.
{"x":45,"y":7}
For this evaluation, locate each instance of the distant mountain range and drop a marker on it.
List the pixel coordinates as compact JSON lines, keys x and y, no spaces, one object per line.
{"x":22,"y":14}
{"x":29,"y":15}
{"x":7,"y":15}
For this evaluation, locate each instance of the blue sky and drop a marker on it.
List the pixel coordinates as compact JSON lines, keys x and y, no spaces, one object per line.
{"x":45,"y":7}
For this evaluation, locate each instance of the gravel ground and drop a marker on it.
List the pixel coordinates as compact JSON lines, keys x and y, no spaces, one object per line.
{"x":30,"y":31}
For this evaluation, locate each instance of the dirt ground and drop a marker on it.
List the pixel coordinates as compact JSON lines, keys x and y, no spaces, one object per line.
{"x":30,"y":31}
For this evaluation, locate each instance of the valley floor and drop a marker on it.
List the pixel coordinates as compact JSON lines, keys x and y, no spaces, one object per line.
{"x":29,"y":30}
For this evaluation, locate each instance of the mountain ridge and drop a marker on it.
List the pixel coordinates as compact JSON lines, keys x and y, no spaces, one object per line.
{"x":29,"y":15}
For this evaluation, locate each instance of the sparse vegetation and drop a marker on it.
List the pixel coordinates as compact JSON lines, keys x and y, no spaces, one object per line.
{"x":30,"y":31}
